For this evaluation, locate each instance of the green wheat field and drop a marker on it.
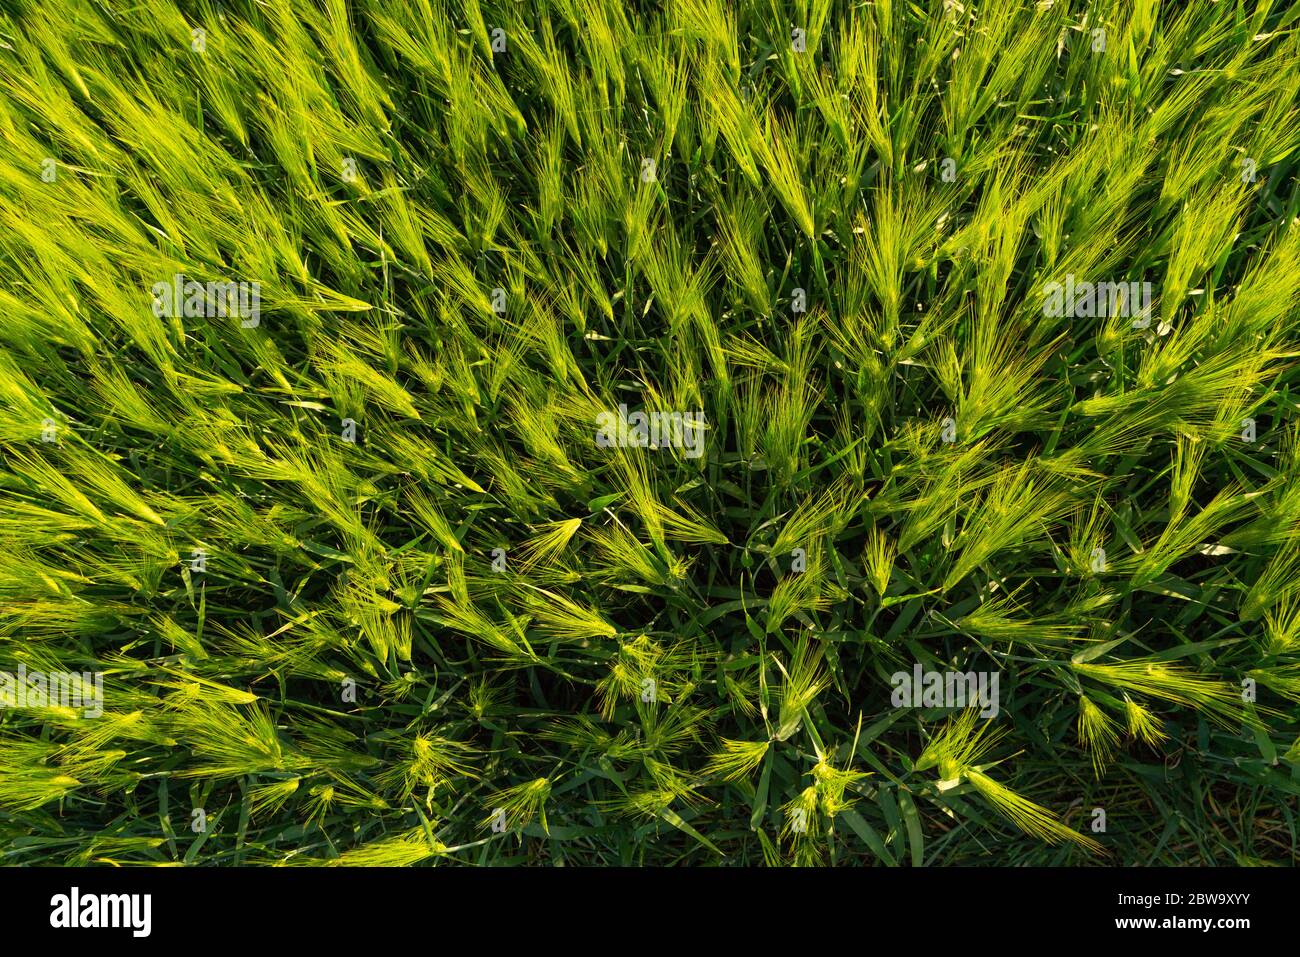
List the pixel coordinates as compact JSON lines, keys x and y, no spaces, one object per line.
{"x":700,"y":434}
